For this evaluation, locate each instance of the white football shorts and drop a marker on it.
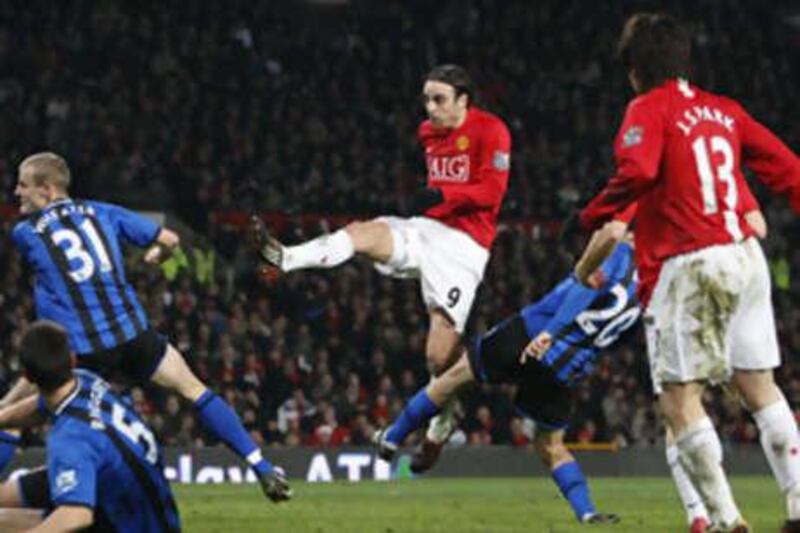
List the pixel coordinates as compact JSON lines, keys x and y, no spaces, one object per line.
{"x":447,"y":261}
{"x":711,"y":313}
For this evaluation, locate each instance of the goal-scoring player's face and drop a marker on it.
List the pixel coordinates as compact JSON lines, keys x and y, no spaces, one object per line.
{"x":32,"y":197}
{"x":444,"y":109}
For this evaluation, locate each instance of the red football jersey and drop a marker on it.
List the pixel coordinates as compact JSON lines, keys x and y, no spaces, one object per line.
{"x":470,"y":165}
{"x":679,"y":152}
{"x":648,"y":266}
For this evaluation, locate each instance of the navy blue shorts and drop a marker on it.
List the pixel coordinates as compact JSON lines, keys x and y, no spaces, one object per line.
{"x":132,"y":362}
{"x":494,"y":358}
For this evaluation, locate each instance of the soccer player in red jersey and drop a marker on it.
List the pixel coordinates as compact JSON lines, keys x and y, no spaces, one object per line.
{"x":708,"y":315}
{"x":446,"y":242}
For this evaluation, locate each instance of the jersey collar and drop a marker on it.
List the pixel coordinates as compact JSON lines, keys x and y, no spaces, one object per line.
{"x":68,"y":399}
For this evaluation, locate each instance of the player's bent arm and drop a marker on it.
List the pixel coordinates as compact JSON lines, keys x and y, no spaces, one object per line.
{"x":21,"y":389}
{"x":775,"y":164}
{"x":577,"y":298}
{"x":600,"y":247}
{"x":21,"y":414}
{"x":755,"y":219}
{"x":19,"y":519}
{"x":66,"y":518}
{"x":166,"y":242}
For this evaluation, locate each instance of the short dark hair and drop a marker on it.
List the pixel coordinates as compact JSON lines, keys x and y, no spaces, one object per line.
{"x":45,"y":355}
{"x":656,"y":46}
{"x":455,"y":76}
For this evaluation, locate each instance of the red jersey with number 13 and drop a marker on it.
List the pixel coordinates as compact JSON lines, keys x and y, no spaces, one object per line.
{"x":470,"y":165}
{"x":680,"y":151}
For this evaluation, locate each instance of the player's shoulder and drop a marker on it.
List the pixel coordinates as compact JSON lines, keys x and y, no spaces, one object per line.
{"x":654,"y":100}
{"x":624,"y":249}
{"x":21,"y":226}
{"x":722,"y":102}
{"x":426,"y":132}
{"x":98,"y":206}
{"x":87,"y":379}
{"x":487,"y":120}
{"x":72,"y":437}
{"x":701,"y":95}
{"x":23,"y":229}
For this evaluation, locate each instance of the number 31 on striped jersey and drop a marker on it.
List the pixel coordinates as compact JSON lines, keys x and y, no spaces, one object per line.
{"x":77,"y":249}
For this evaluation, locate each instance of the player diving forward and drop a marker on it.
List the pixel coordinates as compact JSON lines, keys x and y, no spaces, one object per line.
{"x":445,"y":244}
{"x":74,"y":248}
{"x":545,"y":348}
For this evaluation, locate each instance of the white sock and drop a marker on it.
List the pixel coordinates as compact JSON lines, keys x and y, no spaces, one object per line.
{"x":326,"y":251}
{"x":691,"y":500}
{"x":442,"y":425}
{"x":781,"y":444}
{"x":700,"y":454}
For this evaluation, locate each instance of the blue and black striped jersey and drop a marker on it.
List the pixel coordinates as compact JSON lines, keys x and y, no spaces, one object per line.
{"x":583,"y":320}
{"x":75,"y":250}
{"x":101,"y":455}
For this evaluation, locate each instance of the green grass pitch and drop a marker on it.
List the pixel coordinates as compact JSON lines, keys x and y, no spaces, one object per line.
{"x":457,"y":505}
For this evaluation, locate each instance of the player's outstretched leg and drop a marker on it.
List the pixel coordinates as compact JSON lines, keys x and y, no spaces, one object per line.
{"x":696,"y":513}
{"x":221,"y":421}
{"x":373,"y":238}
{"x":569,"y":478}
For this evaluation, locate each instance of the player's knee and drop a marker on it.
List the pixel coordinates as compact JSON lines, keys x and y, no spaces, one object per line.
{"x":452,"y":378}
{"x":758,"y":389}
{"x":437,"y":361}
{"x":174,"y":374}
{"x":371,"y":238}
{"x":682,"y":405}
{"x":443,"y":347}
{"x":441,"y":357}
{"x":551,"y":451}
{"x":671,"y":413}
{"x":10,"y":494}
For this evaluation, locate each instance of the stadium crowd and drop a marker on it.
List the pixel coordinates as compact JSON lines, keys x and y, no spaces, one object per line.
{"x":204,"y":109}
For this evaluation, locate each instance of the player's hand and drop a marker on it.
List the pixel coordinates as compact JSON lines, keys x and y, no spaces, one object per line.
{"x":424,"y":199}
{"x":155,"y":255}
{"x":537,"y":347}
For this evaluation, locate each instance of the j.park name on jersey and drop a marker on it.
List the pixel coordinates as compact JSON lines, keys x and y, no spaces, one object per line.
{"x":453,"y":168}
{"x":698,"y":114}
